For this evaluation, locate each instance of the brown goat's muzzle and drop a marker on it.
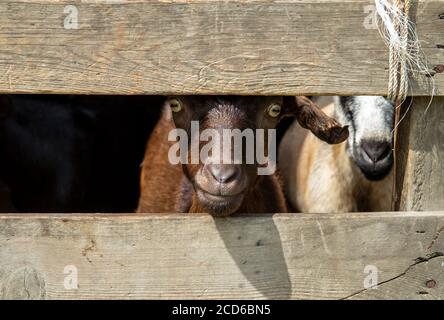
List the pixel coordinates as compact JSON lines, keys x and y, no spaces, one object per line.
{"x":221,"y":188}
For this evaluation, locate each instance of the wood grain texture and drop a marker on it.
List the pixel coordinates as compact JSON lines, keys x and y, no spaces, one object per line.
{"x":420,"y":160}
{"x":267,"y":256}
{"x":204,"y":47}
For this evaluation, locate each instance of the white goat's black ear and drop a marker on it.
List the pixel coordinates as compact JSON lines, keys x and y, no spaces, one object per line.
{"x":311,"y":117}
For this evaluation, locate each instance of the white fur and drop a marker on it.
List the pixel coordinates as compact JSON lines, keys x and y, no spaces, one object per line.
{"x":322,"y":178}
{"x":372,"y":119}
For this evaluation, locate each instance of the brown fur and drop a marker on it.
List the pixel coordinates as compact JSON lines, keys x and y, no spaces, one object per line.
{"x":309,"y":116}
{"x":166,"y":189}
{"x":170,"y":188}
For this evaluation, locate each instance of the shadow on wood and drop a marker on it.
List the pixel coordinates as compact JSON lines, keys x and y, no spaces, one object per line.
{"x":258,"y":255}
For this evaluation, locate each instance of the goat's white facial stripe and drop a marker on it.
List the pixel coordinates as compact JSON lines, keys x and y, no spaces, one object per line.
{"x":371,"y":125}
{"x":369,"y":117}
{"x":372,"y":118}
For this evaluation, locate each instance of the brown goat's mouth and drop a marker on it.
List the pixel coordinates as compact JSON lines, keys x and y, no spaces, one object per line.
{"x":219,"y":205}
{"x":219,"y":197}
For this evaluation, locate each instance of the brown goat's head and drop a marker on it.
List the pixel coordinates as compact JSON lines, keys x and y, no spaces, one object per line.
{"x":221,"y":186}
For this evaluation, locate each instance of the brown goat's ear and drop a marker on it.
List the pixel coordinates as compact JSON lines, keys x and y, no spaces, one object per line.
{"x":311,"y":117}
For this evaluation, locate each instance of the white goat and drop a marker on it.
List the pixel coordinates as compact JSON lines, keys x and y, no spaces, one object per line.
{"x":353,"y":176}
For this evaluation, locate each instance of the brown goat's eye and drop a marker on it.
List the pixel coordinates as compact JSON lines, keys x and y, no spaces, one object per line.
{"x":274,"y":110}
{"x":175,"y":105}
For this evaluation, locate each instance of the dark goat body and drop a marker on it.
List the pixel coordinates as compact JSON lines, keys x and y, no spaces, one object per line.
{"x":167,"y":187}
{"x":74,"y":153}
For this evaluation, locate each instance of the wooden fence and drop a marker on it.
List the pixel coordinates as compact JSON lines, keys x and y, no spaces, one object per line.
{"x":280,"y":256}
{"x":232,"y":47}
{"x":203,"y":47}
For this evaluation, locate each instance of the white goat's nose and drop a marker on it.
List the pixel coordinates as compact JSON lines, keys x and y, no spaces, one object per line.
{"x":376,"y":150}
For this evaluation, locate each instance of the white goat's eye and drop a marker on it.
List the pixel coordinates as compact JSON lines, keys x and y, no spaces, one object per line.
{"x":274,"y":110}
{"x":175,"y":105}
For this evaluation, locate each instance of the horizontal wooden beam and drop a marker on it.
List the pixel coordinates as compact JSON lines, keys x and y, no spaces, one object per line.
{"x":204,"y":47}
{"x":266,"y":256}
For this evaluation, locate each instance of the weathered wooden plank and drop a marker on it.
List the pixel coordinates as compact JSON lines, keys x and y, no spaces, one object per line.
{"x":279,"y":256}
{"x":204,"y":47}
{"x":420,"y":156}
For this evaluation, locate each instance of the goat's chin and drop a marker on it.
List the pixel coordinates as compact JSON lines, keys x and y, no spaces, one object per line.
{"x":376,"y":175}
{"x":377,"y":172}
{"x":218,"y":206}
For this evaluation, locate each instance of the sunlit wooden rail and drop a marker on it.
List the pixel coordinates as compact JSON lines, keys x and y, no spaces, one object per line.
{"x":204,"y":47}
{"x":267,"y":256}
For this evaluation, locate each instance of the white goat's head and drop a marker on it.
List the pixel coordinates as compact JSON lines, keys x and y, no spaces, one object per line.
{"x":370,"y":143}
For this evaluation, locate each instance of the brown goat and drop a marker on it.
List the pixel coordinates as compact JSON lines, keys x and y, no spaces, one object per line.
{"x":211,"y":187}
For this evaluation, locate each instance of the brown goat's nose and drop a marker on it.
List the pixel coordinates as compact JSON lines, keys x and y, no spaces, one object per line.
{"x":224,"y":173}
